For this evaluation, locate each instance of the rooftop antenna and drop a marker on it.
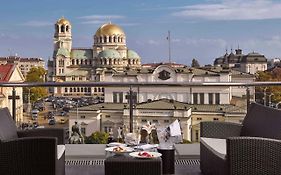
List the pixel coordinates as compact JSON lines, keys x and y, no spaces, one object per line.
{"x":238,"y":46}
{"x":10,"y":51}
{"x":226,"y":50}
{"x":169,"y":41}
{"x":231,"y":48}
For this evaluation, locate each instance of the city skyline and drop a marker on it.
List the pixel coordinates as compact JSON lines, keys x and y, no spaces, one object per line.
{"x":199,"y":29}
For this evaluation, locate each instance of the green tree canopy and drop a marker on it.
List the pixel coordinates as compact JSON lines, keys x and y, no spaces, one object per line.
{"x":97,"y":138}
{"x":273,"y":91}
{"x":36,"y":74}
{"x":195,"y":63}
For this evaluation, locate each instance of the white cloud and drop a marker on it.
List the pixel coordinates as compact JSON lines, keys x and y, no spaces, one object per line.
{"x":37,"y":23}
{"x":99,"y":19}
{"x":152,"y":42}
{"x":233,"y":10}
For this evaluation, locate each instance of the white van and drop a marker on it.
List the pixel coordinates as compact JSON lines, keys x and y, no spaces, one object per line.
{"x":34,"y":114}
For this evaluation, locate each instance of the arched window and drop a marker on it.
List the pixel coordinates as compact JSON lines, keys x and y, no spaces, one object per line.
{"x":70,"y":90}
{"x":102,"y":89}
{"x":109,"y":39}
{"x":121,"y":40}
{"x":67,"y":28}
{"x":118,"y":39}
{"x":89,"y":89}
{"x":78,"y":89}
{"x":110,"y":61}
{"x":99,"y":90}
{"x":73,"y":62}
{"x":81,"y":62}
{"x":77,"y":62}
{"x":82,"y":89}
{"x":114,"y":39}
{"x":95,"y":89}
{"x":104,"y":39}
{"x":90,"y":62}
{"x":62,"y":28}
{"x":85,"y":89}
{"x":86,"y":62}
{"x":100,"y":39}
{"x":74,"y":89}
{"x":114,"y":61}
{"x":65,"y":89}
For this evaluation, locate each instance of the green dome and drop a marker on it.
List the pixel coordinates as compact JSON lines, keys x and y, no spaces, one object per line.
{"x":133,"y":54}
{"x":63,"y":51}
{"x":109,"y":53}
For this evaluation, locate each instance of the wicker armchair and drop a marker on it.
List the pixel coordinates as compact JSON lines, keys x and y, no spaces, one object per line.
{"x":251,"y":148}
{"x":30,"y":152}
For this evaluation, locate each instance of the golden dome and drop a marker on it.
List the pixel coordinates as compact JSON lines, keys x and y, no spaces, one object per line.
{"x":63,"y":21}
{"x":109,"y":30}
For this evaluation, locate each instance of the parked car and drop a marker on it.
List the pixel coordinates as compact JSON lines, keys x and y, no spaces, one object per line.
{"x":62,"y":121}
{"x":52,"y":121}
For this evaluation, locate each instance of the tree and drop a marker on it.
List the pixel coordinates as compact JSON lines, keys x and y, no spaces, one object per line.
{"x":273,"y":91}
{"x":195,"y":63}
{"x":36,"y":74}
{"x":97,"y":138}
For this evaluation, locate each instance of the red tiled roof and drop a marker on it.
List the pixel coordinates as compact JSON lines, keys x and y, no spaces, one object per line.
{"x":6,"y":72}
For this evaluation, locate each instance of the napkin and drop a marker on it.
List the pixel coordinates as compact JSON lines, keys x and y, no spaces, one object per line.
{"x":175,"y":129}
{"x":147,"y":146}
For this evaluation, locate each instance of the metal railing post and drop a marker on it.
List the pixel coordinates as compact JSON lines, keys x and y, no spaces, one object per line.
{"x":14,"y":103}
{"x":131,"y":108}
{"x":248,"y":97}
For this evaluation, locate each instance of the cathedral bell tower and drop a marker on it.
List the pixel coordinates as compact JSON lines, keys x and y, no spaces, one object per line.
{"x":62,"y":46}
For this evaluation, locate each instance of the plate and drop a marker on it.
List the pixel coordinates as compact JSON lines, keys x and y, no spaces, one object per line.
{"x":153,"y":155}
{"x":116,"y":144}
{"x":125,"y":149}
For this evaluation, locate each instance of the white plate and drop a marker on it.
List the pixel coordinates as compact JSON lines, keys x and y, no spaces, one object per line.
{"x":126,"y":150}
{"x":116,"y":144}
{"x":154,"y":155}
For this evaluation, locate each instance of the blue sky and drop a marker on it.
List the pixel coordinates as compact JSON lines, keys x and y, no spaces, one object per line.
{"x":200,"y":29}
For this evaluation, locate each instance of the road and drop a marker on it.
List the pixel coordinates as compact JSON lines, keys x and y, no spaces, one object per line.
{"x":43,"y":121}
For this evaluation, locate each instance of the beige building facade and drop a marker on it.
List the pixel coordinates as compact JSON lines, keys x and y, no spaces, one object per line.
{"x":24,"y":64}
{"x":11,"y":73}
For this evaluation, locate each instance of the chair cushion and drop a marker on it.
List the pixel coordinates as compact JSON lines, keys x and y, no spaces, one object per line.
{"x":60,"y":150}
{"x":262,"y":121}
{"x":217,"y":146}
{"x":8,"y":129}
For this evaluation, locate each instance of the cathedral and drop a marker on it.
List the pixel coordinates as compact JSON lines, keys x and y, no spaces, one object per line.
{"x":108,"y":52}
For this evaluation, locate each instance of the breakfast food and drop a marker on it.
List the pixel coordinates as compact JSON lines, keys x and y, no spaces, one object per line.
{"x":119,"y":149}
{"x":145,"y":154}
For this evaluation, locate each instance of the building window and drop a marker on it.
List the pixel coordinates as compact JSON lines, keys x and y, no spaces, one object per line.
{"x":195,"y":98}
{"x":215,"y":119}
{"x":144,"y":121}
{"x":70,"y":90}
{"x":107,"y":116}
{"x":78,"y":89}
{"x":166,"y":121}
{"x":73,"y":78}
{"x":82,"y":89}
{"x":82,"y":116}
{"x":154,"y":121}
{"x":199,"y":118}
{"x":65,"y":89}
{"x":196,"y":135}
{"x":95,"y":89}
{"x":201,"y":98}
{"x":89,"y":89}
{"x":217,"y":98}
{"x":74,"y":89}
{"x":211,"y":101}
{"x":80,"y":78}
{"x":117,"y":97}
